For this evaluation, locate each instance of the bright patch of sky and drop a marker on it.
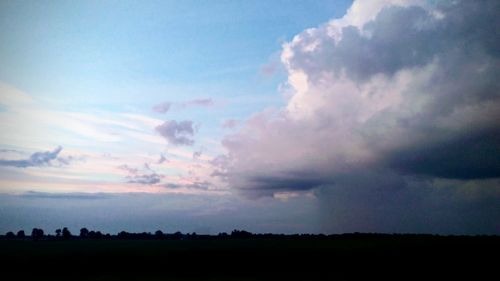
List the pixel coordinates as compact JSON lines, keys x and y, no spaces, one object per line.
{"x":86,"y":75}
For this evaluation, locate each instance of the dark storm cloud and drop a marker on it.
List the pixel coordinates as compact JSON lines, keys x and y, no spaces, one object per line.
{"x":415,"y":91}
{"x":389,"y":48}
{"x":475,"y":156}
{"x":392,"y":120}
{"x":298,"y":180}
{"x":403,"y":37}
{"x":392,"y":203}
{"x":37,"y":159}
{"x":177,"y":133}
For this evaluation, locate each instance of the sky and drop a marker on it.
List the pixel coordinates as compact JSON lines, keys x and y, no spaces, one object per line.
{"x":268,"y":116}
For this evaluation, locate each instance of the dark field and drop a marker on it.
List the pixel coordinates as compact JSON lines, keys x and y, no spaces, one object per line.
{"x":331,"y":258}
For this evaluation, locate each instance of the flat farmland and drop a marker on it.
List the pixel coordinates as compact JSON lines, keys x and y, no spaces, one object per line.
{"x":327,"y":258}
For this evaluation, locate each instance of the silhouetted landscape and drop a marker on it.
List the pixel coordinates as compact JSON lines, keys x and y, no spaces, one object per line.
{"x":241,"y":255}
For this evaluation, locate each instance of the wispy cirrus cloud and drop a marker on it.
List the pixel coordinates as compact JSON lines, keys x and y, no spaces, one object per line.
{"x":165,"y":107}
{"x":68,"y":196}
{"x":12,"y":97}
{"x":199,"y":102}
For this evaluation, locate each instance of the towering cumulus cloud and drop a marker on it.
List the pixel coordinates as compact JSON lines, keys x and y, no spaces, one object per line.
{"x":393,"y":106}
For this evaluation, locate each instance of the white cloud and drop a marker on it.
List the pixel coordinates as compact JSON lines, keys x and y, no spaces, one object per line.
{"x":12,"y":97}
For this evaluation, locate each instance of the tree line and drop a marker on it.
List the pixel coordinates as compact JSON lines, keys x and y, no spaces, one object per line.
{"x":65,"y":234}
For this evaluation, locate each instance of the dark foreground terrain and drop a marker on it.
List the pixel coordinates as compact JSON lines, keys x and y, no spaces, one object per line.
{"x":347,"y":257}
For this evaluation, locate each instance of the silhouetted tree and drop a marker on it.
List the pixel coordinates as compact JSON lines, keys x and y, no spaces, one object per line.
{"x":58,"y":232}
{"x":94,"y":235}
{"x":21,"y":234}
{"x":98,"y":235}
{"x":241,"y":234}
{"x":84,"y":232}
{"x":123,"y":234}
{"x":178,"y":235}
{"x":65,"y":233}
{"x":36,"y":233}
{"x":10,"y":235}
{"x":159,"y":234}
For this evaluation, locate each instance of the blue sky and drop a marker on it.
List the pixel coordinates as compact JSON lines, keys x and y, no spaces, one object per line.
{"x":114,"y":56}
{"x":272,"y":104}
{"x":88,"y":47}
{"x":98,"y":58}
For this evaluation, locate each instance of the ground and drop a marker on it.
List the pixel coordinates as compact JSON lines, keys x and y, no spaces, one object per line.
{"x":330,"y":258}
